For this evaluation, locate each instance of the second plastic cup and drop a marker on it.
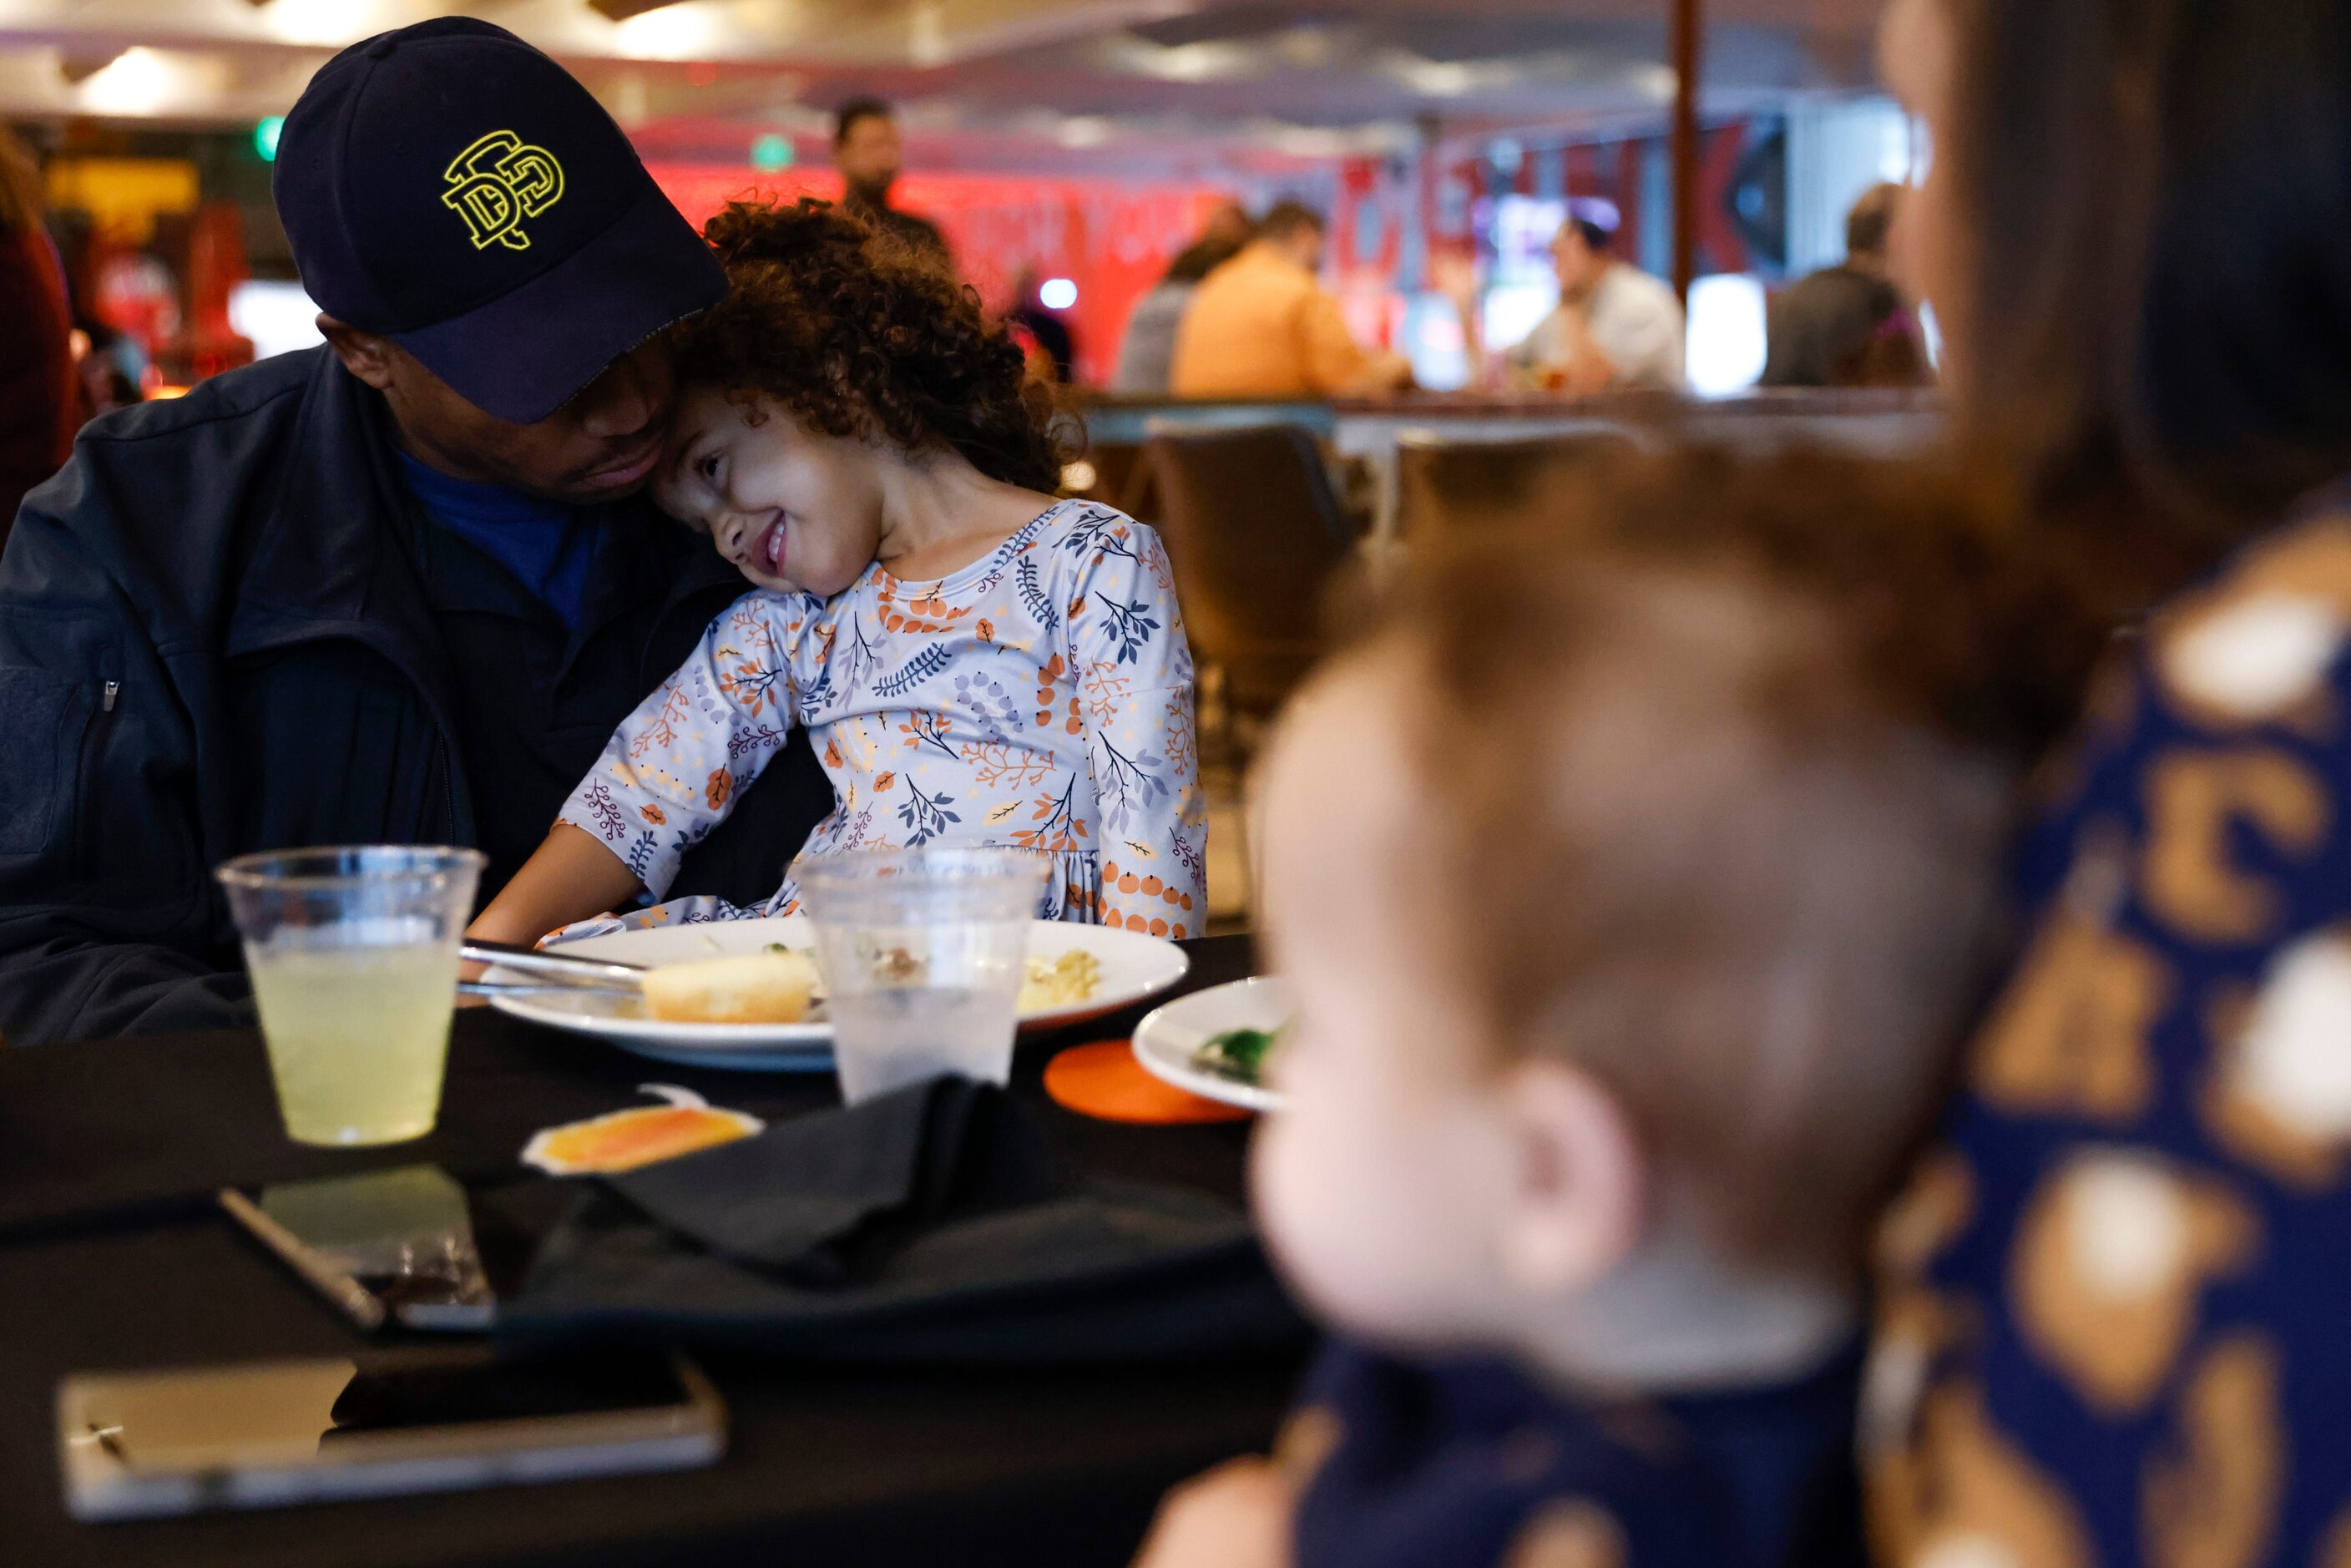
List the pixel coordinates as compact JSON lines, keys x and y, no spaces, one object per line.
{"x":922,"y":953}
{"x":353,"y":955}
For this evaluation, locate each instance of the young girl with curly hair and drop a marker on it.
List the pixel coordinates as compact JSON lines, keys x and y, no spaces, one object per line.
{"x":976,"y":662}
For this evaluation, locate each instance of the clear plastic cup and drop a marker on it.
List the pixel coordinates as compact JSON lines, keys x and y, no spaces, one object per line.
{"x":353,"y":955}
{"x":922,"y":953}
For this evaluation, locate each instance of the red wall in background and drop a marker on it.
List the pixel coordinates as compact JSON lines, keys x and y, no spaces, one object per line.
{"x":1112,"y":239}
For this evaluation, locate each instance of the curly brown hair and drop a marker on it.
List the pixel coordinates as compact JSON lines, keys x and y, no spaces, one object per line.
{"x":1717,"y":770}
{"x":856,"y":334}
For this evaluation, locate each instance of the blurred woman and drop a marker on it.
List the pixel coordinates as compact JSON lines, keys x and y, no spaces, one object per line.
{"x":1148,"y":356}
{"x":37,"y":414}
{"x":2112,"y":1327}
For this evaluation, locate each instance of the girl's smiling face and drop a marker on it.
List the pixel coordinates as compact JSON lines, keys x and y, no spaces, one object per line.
{"x":795,"y":511}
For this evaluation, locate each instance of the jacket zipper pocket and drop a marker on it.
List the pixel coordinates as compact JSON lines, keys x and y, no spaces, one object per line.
{"x":89,"y":823}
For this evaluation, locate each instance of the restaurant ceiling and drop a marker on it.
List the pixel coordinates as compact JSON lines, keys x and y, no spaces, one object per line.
{"x":1128,"y":86}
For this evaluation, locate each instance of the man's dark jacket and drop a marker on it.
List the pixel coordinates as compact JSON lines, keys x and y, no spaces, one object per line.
{"x":226,"y":626}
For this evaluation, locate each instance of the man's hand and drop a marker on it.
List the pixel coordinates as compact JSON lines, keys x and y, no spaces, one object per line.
{"x":1239,"y":1515}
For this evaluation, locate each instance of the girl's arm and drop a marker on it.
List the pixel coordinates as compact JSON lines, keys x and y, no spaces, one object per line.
{"x":570,"y":877}
{"x":1133,"y":670}
{"x":668,"y":776}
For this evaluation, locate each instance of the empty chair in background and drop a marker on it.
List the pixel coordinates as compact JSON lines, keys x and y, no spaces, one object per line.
{"x":1255,"y":534}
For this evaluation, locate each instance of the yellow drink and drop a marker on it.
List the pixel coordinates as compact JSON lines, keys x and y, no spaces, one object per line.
{"x":358,"y":1036}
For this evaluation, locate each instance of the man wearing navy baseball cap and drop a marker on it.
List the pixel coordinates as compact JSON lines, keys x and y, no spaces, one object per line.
{"x":399,"y":589}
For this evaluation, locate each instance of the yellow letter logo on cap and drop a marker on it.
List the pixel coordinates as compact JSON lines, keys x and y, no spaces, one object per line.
{"x":498,"y":182}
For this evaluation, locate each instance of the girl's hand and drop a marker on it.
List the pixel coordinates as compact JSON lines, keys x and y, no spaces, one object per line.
{"x":1239,"y":1515}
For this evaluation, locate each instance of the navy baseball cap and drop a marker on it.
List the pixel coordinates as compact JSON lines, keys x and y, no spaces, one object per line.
{"x":454,"y":190}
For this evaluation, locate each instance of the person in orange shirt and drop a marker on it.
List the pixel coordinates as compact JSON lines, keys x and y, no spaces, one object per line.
{"x":1262,"y":326}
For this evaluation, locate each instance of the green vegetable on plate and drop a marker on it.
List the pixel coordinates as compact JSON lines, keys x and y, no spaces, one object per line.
{"x":1239,"y":1054}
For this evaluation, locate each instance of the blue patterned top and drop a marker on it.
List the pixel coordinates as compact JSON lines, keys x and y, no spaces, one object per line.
{"x":1471,"y":1463}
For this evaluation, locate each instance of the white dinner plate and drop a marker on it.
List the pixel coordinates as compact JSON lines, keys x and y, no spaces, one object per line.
{"x":1133,"y":968}
{"x":1169,"y":1040}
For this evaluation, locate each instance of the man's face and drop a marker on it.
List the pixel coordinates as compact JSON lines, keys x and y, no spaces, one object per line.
{"x":1578,"y":265}
{"x":602,"y":445}
{"x":870,"y":157}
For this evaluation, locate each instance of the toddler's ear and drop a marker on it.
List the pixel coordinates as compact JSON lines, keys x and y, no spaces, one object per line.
{"x":1579,"y":1180}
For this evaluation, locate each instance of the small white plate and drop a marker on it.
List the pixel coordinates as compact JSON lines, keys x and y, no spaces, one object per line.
{"x":1133,"y":968}
{"x":1167,"y":1042}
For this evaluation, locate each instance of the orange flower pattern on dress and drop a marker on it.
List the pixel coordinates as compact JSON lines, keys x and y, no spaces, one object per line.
{"x":972,"y":710}
{"x":2127,"y":1347}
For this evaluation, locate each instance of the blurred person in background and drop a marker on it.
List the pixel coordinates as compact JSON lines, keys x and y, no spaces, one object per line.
{"x":1230,"y":222}
{"x":1146,"y":358}
{"x":39,"y":400}
{"x":2111,"y":1322}
{"x":1262,"y":326}
{"x":867,"y":150}
{"x":1848,"y":325}
{"x":1614,"y":329}
{"x":1057,"y":357}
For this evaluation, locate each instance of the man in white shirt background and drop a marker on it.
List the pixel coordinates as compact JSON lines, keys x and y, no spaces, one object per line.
{"x":1616,"y":328}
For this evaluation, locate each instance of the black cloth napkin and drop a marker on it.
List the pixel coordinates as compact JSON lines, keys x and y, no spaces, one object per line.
{"x":935,"y":1224}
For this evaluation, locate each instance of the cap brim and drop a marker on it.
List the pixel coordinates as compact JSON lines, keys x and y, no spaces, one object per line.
{"x":528,"y":353}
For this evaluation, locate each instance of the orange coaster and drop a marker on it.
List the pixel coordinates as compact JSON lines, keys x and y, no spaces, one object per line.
{"x":1105,"y":1079}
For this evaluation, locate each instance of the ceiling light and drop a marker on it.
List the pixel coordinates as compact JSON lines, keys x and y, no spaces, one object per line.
{"x":926,"y":37}
{"x":137,"y":81}
{"x":1057,"y":293}
{"x":328,"y":24}
{"x":680,"y":32}
{"x":621,"y":10}
{"x":1208,"y":60}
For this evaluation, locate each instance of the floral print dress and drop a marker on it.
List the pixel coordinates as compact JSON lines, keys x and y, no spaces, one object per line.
{"x":1040,"y":699}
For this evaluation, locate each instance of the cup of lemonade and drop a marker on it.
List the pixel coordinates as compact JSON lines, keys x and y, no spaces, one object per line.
{"x":922,"y":953}
{"x":353,"y":955}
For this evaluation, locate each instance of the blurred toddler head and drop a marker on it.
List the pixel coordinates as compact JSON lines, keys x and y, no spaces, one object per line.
{"x":1633,"y":881}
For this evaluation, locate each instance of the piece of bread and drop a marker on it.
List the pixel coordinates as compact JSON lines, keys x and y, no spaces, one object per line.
{"x":756,"y":988}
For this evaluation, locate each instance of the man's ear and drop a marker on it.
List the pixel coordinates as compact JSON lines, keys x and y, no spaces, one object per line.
{"x":1580,"y":1181}
{"x":363,"y":354}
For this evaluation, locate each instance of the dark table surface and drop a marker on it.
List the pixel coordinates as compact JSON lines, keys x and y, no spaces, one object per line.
{"x":113,"y":1255}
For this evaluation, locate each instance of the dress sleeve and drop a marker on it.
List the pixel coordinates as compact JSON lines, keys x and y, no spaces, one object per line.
{"x":1133,"y":670}
{"x":672,"y":771}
